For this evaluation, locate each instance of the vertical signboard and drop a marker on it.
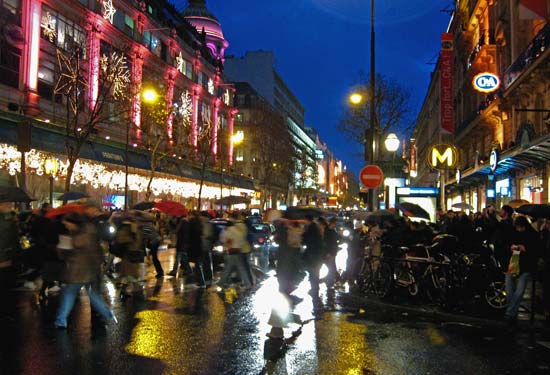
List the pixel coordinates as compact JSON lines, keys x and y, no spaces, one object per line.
{"x":413,"y":167}
{"x":446,"y":69}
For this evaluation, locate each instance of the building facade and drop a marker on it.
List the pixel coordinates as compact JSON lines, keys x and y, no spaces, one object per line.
{"x":180,"y":55}
{"x":257,"y":68}
{"x":501,"y":131}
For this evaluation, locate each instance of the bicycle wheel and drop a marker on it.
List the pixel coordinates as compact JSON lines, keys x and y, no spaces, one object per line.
{"x":364,"y":280}
{"x":495,"y":295}
{"x":382,"y":279}
{"x":437,"y":288}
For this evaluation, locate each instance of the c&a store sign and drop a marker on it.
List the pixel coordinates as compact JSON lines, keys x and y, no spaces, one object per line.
{"x":443,"y":156}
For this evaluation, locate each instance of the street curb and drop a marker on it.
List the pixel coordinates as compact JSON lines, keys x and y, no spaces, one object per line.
{"x":355,"y":300}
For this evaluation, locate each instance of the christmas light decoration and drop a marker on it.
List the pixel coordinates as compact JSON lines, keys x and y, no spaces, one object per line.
{"x":211,"y":86}
{"x":48,"y":26}
{"x":186,"y":107}
{"x":180,"y":63}
{"x":116,"y":72}
{"x":87,"y":172}
{"x":108,"y":10}
{"x":70,"y":83}
{"x":226,"y":97}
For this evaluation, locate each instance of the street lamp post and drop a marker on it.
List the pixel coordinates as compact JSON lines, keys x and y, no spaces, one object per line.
{"x":392,"y":145}
{"x":50,"y":168}
{"x":236,"y":139}
{"x":148,"y":96}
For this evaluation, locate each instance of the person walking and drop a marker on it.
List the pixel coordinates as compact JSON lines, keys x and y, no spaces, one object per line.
{"x":194,"y":249}
{"x":83,"y":259}
{"x":521,"y":265}
{"x":234,"y":240}
{"x":545,"y":254}
{"x":9,"y":246}
{"x":207,"y":237}
{"x":151,"y":239}
{"x":331,"y":249}
{"x":182,"y":245}
{"x":313,"y":254}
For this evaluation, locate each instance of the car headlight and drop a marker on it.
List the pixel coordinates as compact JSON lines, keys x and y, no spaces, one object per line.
{"x":256,"y":246}
{"x":346,"y":233}
{"x":218,"y":248}
{"x":112,"y":229}
{"x":274,"y":244}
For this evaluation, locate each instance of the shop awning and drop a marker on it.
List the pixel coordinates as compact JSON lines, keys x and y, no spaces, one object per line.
{"x":53,"y":140}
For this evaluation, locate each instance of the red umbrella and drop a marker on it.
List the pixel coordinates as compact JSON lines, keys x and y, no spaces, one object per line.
{"x":108,"y":204}
{"x":171,"y":208}
{"x":66,"y":209}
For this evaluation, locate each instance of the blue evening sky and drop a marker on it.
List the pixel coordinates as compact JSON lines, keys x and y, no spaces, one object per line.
{"x":321,"y":45}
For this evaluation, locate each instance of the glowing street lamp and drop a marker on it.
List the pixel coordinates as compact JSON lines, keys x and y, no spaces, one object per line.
{"x":51,"y":167}
{"x":391,"y":142}
{"x":356,"y":98}
{"x":237,"y":138}
{"x":149,"y":95}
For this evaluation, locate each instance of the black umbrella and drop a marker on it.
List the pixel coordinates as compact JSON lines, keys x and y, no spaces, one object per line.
{"x":413,"y":210}
{"x":539,"y":211}
{"x":381,"y":216}
{"x":142,"y":206}
{"x":13,"y":194}
{"x":299,"y":213}
{"x":233,"y":199}
{"x":72,"y":196}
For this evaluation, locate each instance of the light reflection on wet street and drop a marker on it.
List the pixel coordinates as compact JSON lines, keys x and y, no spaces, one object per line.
{"x":179,"y":329}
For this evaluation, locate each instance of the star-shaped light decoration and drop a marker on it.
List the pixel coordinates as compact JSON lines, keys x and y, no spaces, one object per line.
{"x":185,"y":108}
{"x":210,"y":86}
{"x":226,"y":97}
{"x":48,"y":26}
{"x":71,"y":81}
{"x":108,"y":10}
{"x":180,"y":64}
{"x":115,"y":69}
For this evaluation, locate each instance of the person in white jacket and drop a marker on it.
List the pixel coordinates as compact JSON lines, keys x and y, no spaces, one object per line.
{"x":234,"y":243}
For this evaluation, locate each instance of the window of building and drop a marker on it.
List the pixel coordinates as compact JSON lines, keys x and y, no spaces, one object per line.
{"x":11,"y":10}
{"x":239,"y":155}
{"x":10,"y":58}
{"x":67,"y":34}
{"x":46,"y":81}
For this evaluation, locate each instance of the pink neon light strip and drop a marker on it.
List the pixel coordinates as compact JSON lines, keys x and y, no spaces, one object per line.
{"x":36,"y":10}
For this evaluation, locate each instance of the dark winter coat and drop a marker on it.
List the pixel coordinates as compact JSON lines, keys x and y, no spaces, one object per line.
{"x":331,"y":241}
{"x":83,"y":262}
{"x":528,"y":258}
{"x":313,"y":242}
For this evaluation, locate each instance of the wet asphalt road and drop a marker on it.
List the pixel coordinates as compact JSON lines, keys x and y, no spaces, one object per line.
{"x":178,"y":329}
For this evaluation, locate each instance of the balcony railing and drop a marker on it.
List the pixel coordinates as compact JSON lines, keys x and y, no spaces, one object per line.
{"x":534,"y":50}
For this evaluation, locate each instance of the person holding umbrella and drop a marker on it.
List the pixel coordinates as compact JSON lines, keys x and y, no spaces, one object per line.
{"x":9,"y":244}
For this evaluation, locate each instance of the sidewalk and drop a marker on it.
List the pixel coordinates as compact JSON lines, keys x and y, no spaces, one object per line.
{"x":359,"y":301}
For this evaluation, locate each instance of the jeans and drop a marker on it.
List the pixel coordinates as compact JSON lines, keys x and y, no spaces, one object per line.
{"x":203,"y":269}
{"x":234,"y":262}
{"x":515,"y":287}
{"x":182,"y":260}
{"x":153,"y":250}
{"x":313,"y":271}
{"x":68,"y":297}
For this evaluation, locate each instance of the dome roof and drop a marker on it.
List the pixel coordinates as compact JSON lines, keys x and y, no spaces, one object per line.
{"x":201,"y":18}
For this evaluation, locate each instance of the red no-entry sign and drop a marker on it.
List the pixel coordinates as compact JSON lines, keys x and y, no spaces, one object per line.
{"x":371,"y":176}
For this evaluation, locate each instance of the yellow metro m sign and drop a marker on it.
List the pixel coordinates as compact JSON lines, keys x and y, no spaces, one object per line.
{"x":443,"y":156}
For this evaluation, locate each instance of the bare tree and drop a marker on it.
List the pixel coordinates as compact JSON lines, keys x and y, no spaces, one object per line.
{"x":156,"y":139}
{"x":84,"y":115}
{"x":274,"y":154}
{"x":391,"y":109}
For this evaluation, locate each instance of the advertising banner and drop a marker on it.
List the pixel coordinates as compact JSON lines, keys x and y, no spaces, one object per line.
{"x":446,"y":68}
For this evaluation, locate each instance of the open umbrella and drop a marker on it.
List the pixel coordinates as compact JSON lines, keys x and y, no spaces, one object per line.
{"x":72,"y":196}
{"x":108,"y":204}
{"x":299,"y":213}
{"x":517,"y":203}
{"x":171,"y":208}
{"x":462,"y":206}
{"x":381,"y":216}
{"x":232,"y":199}
{"x":539,"y":211}
{"x":65,"y":209}
{"x":13,"y":194}
{"x":142,"y":206}
{"x":413,"y":210}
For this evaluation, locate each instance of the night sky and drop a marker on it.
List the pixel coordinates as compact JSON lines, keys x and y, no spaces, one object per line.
{"x":321,"y":46}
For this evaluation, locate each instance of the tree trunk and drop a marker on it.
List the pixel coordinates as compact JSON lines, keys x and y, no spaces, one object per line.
{"x":153,"y":170}
{"x":203,"y":169}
